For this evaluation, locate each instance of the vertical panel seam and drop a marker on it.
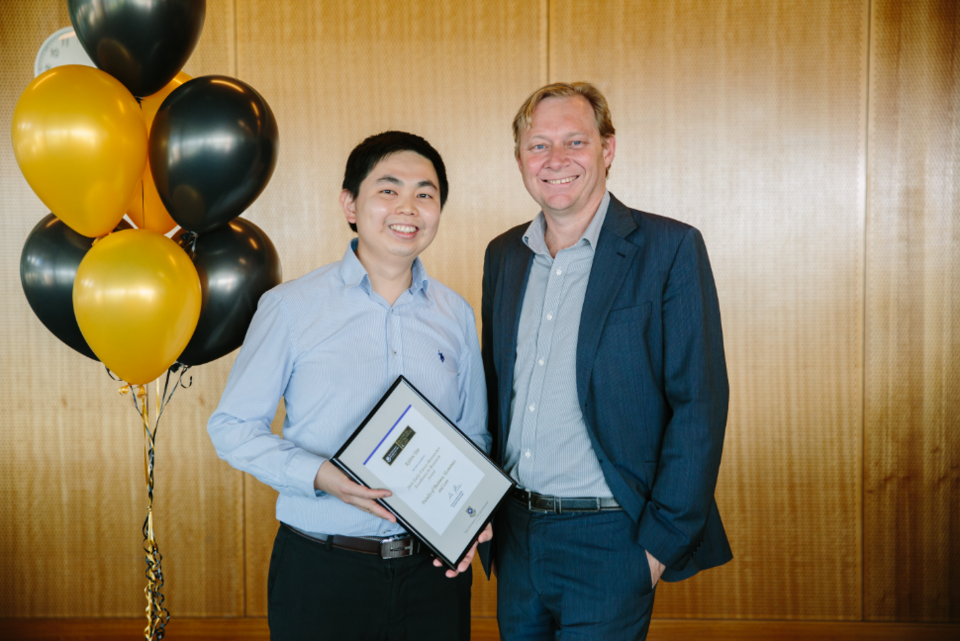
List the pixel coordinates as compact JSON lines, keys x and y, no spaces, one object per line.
{"x":236,"y":42}
{"x":863,"y":320}
{"x":243,"y":481}
{"x":544,"y":36}
{"x":547,"y":36}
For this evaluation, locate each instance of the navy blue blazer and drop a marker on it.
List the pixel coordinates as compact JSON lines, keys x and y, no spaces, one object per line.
{"x":651,"y":376}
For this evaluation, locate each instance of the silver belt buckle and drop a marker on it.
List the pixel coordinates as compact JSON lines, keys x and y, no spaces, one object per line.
{"x":405,"y":545}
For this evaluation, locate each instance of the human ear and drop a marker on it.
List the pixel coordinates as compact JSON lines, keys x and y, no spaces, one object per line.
{"x":349,"y":206}
{"x":609,"y":150}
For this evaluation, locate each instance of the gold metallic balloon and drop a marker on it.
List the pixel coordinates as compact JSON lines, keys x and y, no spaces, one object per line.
{"x":81,"y":143}
{"x":146,"y":210}
{"x":137,"y":301}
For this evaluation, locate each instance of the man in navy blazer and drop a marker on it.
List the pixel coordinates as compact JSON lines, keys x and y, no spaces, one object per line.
{"x":607,"y":387}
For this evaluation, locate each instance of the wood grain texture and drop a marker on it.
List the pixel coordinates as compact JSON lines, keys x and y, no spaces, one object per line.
{"x":912,"y":439}
{"x":745,"y":119}
{"x":72,"y":490}
{"x":483,"y":629}
{"x":451,"y":72}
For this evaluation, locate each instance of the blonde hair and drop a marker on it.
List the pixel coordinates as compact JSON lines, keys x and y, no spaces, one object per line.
{"x":601,"y":112}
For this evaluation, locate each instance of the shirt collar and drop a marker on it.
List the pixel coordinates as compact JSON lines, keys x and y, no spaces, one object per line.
{"x":534,"y":236}
{"x":354,"y":274}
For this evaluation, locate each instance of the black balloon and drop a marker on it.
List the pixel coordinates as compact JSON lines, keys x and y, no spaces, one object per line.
{"x":48,"y":266}
{"x":237,"y":263}
{"x":213,"y":148}
{"x":141,"y":44}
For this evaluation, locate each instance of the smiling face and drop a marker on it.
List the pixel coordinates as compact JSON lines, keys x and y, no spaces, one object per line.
{"x":396,"y":210}
{"x":563,"y":159}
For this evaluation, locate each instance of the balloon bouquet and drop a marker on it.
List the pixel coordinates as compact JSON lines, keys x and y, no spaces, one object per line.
{"x":136,"y":136}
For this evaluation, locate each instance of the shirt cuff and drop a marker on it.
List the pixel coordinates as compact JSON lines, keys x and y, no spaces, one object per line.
{"x":301,"y":472}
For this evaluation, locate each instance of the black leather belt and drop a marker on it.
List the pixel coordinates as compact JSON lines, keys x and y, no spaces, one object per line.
{"x":393,"y":547}
{"x":561,"y":504}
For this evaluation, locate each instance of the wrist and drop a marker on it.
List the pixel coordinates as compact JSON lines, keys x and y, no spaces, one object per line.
{"x":317,"y":482}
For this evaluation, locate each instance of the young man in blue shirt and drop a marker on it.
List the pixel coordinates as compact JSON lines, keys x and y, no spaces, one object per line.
{"x":330,"y":344}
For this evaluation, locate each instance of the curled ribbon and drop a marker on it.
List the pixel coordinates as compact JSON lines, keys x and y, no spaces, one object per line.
{"x":157,"y":615}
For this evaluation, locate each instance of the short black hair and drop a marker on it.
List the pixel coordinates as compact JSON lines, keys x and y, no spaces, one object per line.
{"x":368,"y":153}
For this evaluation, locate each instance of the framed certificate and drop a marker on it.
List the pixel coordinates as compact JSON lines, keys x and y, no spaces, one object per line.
{"x":444,"y":487}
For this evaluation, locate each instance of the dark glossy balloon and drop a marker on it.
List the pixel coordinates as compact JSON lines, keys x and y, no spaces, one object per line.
{"x":48,"y":266}
{"x":237,"y":263}
{"x":141,"y":44}
{"x":213,"y":148}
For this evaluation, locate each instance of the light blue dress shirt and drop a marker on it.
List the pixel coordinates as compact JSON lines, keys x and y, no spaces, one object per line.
{"x":331,"y":347}
{"x":548,"y":447}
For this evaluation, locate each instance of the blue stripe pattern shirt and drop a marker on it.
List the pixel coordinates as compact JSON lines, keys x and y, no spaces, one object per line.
{"x":331,"y":347}
{"x":548,"y":447}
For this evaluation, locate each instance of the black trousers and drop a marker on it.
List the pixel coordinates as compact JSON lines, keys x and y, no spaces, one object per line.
{"x":319,"y":593}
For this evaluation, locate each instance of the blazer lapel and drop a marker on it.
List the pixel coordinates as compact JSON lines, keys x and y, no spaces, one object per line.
{"x":513,"y":283}
{"x":611,"y":261}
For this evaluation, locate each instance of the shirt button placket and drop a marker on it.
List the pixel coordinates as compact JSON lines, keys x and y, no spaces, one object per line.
{"x":394,"y":343}
{"x":544,"y":340}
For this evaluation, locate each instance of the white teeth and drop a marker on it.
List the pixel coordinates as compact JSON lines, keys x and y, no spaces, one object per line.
{"x":562,"y":181}
{"x":403,"y":229}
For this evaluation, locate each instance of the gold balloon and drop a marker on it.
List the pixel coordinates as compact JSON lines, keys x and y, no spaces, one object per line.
{"x":146,"y":210}
{"x":137,"y":301}
{"x":81,"y":144}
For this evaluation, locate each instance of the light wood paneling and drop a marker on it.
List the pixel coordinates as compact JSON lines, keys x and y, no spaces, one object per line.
{"x":912,"y":500}
{"x":337,"y":72}
{"x":745,"y":119}
{"x":71,"y":463}
{"x":57,"y":499}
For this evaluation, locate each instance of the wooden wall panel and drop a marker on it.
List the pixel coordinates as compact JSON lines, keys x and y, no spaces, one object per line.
{"x":912,"y":440}
{"x":746,"y":119}
{"x":71,"y":461}
{"x":336,"y":72}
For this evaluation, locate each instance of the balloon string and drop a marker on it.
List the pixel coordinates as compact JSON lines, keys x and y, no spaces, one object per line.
{"x":157,"y":615}
{"x":189,"y":239}
{"x":177,"y":366}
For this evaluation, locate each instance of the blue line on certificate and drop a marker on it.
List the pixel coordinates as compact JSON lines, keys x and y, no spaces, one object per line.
{"x":388,"y":434}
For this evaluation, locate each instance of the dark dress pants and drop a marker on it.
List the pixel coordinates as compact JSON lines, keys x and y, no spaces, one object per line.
{"x":319,"y":593}
{"x":570,"y":576}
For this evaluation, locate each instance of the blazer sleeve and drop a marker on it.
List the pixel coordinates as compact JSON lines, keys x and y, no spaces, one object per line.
{"x":486,"y":550}
{"x":486,"y":350}
{"x":695,"y":384}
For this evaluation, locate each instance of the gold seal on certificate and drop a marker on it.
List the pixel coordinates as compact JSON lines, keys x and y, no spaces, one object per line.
{"x":445,"y":489}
